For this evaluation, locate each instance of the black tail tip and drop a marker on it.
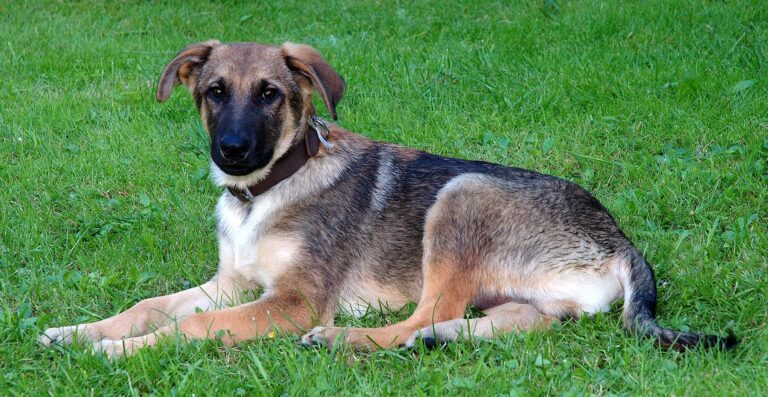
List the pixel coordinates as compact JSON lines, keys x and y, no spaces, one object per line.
{"x":687,"y":341}
{"x":719,"y":342}
{"x":729,"y":342}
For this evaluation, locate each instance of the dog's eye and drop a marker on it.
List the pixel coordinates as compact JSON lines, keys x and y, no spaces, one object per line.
{"x":216,"y":92}
{"x":268,"y":94}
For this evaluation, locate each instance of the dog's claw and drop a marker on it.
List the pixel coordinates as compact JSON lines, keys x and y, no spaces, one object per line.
{"x":429,"y":342}
{"x":47,"y":340}
{"x":313,"y":337}
{"x":430,"y":337}
{"x":325,"y":336}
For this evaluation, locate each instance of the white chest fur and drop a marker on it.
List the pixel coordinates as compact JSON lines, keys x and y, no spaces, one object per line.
{"x":247,"y":249}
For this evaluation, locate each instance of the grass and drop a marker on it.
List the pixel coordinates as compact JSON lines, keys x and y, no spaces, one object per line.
{"x":658,"y":107}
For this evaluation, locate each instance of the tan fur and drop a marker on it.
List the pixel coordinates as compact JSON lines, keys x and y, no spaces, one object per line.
{"x":506,"y":318}
{"x":142,"y":318}
{"x":445,"y":295}
{"x":180,"y":70}
{"x":319,"y":72}
{"x":285,"y":312}
{"x":368,"y":293}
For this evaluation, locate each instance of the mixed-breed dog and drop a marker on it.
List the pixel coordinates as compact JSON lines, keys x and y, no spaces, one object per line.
{"x":322,"y":219}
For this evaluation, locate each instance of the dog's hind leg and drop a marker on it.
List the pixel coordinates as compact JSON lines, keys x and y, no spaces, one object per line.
{"x":445,"y":295}
{"x":454,"y":239}
{"x":502,"y":319}
{"x":150,"y":313}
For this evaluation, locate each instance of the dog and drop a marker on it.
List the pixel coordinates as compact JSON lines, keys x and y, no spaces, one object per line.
{"x":324,"y":220}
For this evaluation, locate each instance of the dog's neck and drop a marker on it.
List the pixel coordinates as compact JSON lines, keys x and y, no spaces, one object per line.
{"x":288,"y":164}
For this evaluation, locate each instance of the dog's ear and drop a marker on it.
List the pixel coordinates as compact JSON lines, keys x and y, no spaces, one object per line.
{"x":307,"y":61}
{"x":185,"y":68}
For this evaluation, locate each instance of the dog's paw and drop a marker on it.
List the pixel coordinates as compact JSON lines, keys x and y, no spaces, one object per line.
{"x":113,"y":349}
{"x":65,"y":335}
{"x":323,"y":336}
{"x":425,"y":336}
{"x":438,"y":334}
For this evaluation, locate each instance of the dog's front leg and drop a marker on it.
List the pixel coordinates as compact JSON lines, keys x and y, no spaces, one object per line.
{"x":287,"y":312}
{"x":149,"y":313}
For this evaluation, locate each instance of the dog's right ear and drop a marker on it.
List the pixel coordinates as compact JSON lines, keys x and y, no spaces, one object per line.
{"x":185,"y":68}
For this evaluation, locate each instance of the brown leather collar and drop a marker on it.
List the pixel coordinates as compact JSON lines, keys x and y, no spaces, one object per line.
{"x":284,"y":167}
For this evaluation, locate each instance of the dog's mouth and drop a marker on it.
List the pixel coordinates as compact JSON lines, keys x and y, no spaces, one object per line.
{"x":236,"y":170}
{"x":239,"y":168}
{"x":243,"y":167}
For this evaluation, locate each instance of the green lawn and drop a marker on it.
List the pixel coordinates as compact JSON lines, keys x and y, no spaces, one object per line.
{"x":660,"y":108}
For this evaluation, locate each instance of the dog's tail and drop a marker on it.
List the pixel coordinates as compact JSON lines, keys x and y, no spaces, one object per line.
{"x":640,"y":310}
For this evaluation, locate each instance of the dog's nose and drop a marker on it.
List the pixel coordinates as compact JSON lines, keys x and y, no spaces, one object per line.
{"x":233,"y":147}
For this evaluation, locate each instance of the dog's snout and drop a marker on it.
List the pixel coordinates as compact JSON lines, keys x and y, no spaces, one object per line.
{"x":233,"y":147}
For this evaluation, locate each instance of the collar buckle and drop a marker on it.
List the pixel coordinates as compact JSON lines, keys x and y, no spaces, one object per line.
{"x":322,"y":131}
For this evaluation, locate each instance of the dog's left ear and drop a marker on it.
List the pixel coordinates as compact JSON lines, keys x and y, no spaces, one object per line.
{"x":307,"y":61}
{"x":185,"y":68}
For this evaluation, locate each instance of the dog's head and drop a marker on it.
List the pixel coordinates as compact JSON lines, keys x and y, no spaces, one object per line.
{"x":255,"y":100}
